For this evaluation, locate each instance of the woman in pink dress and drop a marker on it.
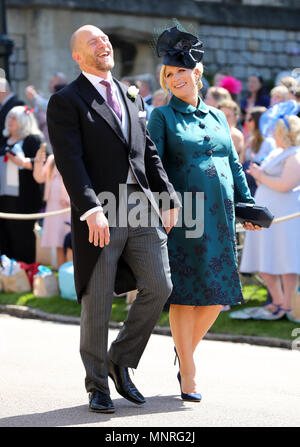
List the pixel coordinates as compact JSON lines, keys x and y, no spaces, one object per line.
{"x":55,"y":228}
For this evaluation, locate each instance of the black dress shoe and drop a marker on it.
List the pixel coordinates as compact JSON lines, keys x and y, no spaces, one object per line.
{"x":123,"y":383}
{"x":100,"y":402}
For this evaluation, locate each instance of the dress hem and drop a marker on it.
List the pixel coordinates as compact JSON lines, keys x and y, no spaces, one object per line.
{"x":227,"y":303}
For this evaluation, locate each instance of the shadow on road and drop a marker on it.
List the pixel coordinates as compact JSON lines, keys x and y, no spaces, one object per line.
{"x":80,"y":415}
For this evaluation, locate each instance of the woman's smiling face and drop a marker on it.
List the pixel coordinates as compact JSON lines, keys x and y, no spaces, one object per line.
{"x":12,"y":124}
{"x":181,"y":81}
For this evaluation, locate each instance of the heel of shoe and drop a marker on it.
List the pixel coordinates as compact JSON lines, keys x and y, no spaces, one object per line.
{"x":190,"y":397}
{"x":176,"y":357}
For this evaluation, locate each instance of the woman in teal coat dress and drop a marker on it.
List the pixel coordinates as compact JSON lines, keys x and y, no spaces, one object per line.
{"x":196,"y":148}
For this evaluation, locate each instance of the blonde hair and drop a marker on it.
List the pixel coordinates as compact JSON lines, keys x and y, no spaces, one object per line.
{"x":219,"y":94}
{"x":295,"y":91}
{"x":281,"y":90}
{"x":27,"y":124}
{"x":162,"y":76}
{"x":288,"y":81}
{"x":161,"y":92}
{"x":291,"y":135}
{"x":230,"y":104}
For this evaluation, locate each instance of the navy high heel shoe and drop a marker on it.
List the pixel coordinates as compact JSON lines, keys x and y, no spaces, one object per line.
{"x":190,"y":397}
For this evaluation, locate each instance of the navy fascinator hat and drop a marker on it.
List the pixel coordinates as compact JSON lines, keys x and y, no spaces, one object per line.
{"x":179,"y":49}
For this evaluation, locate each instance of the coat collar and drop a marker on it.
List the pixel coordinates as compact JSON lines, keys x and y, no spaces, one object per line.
{"x":184,"y":107}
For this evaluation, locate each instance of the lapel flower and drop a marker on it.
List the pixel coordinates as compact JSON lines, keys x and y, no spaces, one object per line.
{"x":132,"y":91}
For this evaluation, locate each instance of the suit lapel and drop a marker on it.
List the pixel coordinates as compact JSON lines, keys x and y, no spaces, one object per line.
{"x":7,"y":106}
{"x":91,"y":96}
{"x":132,"y":111}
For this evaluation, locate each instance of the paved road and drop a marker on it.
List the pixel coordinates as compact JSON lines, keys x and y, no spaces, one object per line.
{"x":41,"y":383}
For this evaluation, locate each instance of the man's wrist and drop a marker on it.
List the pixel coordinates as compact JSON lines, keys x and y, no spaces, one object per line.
{"x":90,"y":212}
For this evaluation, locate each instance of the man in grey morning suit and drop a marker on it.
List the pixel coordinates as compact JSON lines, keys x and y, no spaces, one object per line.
{"x":99,"y":138}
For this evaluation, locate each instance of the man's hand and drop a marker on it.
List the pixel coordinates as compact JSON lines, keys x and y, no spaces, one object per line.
{"x":169,"y":218}
{"x":98,"y":229}
{"x":31,"y":93}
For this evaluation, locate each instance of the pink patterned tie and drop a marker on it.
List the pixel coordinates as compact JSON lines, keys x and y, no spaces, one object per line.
{"x":112,"y":100}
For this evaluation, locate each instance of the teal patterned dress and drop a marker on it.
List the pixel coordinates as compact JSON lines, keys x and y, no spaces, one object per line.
{"x":198,"y":155}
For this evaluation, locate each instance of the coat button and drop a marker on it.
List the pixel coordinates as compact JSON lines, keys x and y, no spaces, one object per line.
{"x":209,"y":152}
{"x":207,"y":138}
{"x":202,"y":125}
{"x":198,"y":112}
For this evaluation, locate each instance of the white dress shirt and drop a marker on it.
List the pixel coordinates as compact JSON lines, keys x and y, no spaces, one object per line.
{"x":95,"y":81}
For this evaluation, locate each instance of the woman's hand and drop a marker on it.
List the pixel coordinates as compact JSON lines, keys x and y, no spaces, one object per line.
{"x":40,"y":156}
{"x":64,"y":202}
{"x":255,"y":170}
{"x":250,"y":226}
{"x":18,"y":160}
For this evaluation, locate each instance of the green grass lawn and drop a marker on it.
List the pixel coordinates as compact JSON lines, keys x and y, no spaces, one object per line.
{"x":224,"y":324}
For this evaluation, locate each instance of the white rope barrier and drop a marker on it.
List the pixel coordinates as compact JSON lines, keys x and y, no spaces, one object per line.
{"x":240,"y":228}
{"x":67,"y":210}
{"x":33,"y":216}
{"x":284,"y":218}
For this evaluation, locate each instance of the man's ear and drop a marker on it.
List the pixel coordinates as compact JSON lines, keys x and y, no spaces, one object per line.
{"x":76,"y":56}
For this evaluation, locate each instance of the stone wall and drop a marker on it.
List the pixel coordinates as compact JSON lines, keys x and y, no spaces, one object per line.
{"x":241,"y":50}
{"x":239,"y":39}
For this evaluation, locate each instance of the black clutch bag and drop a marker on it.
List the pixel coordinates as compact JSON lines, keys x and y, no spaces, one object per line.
{"x":258,"y":215}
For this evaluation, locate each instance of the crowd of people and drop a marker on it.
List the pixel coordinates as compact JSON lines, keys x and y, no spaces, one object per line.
{"x":265,"y":130}
{"x":30,"y":181}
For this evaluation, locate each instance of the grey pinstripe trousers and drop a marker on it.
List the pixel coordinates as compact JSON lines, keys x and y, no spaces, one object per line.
{"x":145,"y":251}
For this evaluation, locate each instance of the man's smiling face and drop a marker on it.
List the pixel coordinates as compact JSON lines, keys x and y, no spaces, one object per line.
{"x":92,"y":50}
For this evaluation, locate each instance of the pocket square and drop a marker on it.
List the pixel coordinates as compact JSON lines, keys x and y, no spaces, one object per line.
{"x":142,"y":114}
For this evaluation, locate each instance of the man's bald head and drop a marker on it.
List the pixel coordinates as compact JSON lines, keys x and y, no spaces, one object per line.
{"x":79,"y":34}
{"x":92,"y":50}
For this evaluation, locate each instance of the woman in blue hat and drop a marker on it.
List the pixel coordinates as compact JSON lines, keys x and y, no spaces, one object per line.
{"x":195,"y":145}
